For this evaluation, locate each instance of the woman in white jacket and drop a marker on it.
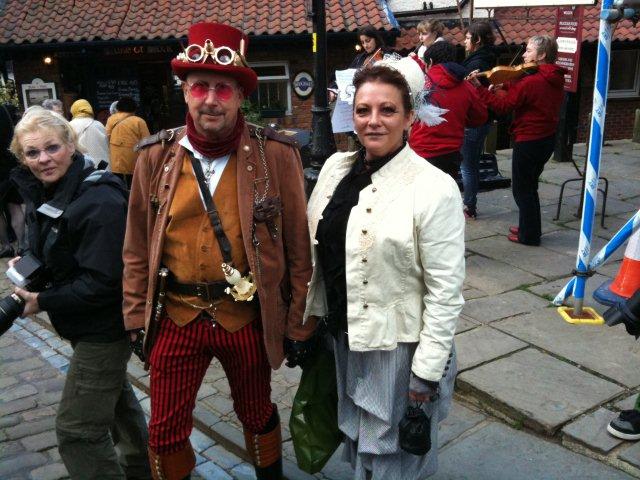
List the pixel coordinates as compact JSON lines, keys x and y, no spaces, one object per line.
{"x":387,"y":230}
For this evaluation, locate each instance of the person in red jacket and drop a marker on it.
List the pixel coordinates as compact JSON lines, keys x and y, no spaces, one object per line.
{"x":535,"y":101}
{"x":448,"y":105}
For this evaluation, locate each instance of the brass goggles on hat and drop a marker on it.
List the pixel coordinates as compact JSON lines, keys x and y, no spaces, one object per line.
{"x":224,"y":55}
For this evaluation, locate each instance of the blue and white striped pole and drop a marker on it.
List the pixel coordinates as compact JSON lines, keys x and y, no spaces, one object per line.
{"x":621,"y":236}
{"x":593,"y":158}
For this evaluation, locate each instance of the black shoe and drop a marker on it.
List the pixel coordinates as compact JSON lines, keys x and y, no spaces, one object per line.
{"x":7,"y":252}
{"x":626,"y":426}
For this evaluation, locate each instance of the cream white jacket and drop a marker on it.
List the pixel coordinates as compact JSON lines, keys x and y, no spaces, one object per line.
{"x":404,"y":258}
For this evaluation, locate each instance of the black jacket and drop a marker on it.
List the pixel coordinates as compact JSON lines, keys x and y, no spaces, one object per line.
{"x":482,"y":59}
{"x":80,"y":242}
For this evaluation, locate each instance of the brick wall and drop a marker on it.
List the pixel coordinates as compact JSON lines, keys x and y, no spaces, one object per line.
{"x":620,"y":113}
{"x":300,"y":57}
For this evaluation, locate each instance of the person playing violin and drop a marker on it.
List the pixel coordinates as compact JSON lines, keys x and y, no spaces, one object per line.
{"x":535,"y":100}
{"x":478,"y":45}
{"x":373,"y":50}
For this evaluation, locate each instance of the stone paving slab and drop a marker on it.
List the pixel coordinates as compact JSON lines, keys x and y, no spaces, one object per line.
{"x":631,"y":454}
{"x":537,"y":389}
{"x":550,"y":289}
{"x":476,"y":229}
{"x":460,"y":420}
{"x":496,"y":307}
{"x":482,"y":345}
{"x":628,"y":403}
{"x":469,"y":293}
{"x":570,"y":206}
{"x":565,"y":241}
{"x":465,"y":324}
{"x":610,"y":351}
{"x":536,"y":260}
{"x":611,"y":223}
{"x":493,"y":276}
{"x":512,"y":451}
{"x":499,"y":224}
{"x":591,"y":431}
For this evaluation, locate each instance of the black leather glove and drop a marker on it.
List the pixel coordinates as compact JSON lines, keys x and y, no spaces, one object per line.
{"x":297,"y":352}
{"x":136,"y":345}
{"x":421,"y":390}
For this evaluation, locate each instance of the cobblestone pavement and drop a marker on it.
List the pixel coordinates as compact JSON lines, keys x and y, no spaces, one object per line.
{"x":533,"y":396}
{"x":33,"y":362}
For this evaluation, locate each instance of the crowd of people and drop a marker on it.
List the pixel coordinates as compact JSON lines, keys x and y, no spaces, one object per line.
{"x":200,"y":244}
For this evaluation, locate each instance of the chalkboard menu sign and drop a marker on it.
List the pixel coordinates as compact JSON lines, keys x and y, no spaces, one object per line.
{"x":112,"y":89}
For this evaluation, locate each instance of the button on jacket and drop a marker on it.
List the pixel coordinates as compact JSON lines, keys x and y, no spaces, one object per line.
{"x":404,"y":258}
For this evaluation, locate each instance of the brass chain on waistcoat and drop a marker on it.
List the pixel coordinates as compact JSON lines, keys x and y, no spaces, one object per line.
{"x":257,"y":199}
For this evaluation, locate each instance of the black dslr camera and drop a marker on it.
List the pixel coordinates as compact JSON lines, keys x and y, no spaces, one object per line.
{"x":627,"y":313}
{"x":28,"y":273}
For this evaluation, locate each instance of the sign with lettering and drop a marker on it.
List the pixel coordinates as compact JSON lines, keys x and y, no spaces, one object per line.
{"x":569,"y":37}
{"x":529,"y":3}
{"x":109,"y":90}
{"x":303,"y":84}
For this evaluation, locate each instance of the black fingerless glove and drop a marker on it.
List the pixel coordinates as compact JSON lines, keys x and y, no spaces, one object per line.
{"x":136,"y":346}
{"x":297,"y":352}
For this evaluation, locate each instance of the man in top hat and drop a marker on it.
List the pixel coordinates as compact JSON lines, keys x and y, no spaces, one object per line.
{"x":221,"y":205}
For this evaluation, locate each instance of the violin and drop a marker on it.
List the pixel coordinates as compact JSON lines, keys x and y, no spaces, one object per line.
{"x":503,"y":73}
{"x":376,"y":57}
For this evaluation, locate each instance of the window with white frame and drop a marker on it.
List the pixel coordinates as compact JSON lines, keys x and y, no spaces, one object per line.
{"x":624,"y":78}
{"x":273,"y":95}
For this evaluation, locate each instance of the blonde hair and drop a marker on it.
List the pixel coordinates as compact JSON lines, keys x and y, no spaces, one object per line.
{"x":36,"y":119}
{"x":431,"y":26}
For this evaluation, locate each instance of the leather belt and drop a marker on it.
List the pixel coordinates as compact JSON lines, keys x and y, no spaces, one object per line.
{"x":209,"y":292}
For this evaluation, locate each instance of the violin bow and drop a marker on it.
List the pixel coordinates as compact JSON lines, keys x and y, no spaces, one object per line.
{"x":516,"y":55}
{"x":372,"y":57}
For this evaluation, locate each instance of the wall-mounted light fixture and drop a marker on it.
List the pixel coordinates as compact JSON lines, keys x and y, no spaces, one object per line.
{"x":47,"y":60}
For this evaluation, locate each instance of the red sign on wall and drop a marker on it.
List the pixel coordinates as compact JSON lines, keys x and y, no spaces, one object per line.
{"x":569,"y":37}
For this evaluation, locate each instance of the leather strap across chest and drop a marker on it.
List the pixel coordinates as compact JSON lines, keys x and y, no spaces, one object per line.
{"x":212,"y":213}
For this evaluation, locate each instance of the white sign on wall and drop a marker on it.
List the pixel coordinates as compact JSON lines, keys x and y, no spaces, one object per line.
{"x":529,"y":3}
{"x":37,"y":91}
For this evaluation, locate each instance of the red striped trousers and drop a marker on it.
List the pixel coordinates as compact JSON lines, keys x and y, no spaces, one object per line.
{"x":179,"y":361}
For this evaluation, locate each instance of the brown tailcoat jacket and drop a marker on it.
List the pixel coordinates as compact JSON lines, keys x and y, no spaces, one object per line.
{"x":281,"y":263}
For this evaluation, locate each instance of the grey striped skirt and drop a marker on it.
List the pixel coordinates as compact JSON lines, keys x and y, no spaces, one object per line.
{"x":373,"y":390}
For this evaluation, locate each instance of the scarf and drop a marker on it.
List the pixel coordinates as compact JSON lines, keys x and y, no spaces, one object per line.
{"x":212,"y":149}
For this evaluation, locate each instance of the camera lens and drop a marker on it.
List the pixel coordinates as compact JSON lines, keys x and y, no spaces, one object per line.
{"x":11,"y":307}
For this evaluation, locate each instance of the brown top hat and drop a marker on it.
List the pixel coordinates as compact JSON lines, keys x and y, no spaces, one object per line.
{"x":217,"y":48}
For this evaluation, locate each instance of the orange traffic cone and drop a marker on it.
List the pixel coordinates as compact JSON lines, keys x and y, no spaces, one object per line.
{"x":628,"y":279}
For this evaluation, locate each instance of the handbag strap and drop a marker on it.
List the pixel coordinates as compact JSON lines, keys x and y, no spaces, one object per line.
{"x":212,"y":213}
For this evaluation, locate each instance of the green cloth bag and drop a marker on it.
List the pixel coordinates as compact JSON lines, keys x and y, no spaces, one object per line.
{"x":314,"y":415}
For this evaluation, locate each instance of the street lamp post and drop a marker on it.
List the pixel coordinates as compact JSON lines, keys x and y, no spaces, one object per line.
{"x":322,"y":141}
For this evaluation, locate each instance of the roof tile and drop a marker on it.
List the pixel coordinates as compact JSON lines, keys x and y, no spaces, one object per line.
{"x":29,"y":21}
{"x":518,"y":24}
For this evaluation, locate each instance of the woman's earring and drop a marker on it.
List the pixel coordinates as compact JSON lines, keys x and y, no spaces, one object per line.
{"x":405,"y":136}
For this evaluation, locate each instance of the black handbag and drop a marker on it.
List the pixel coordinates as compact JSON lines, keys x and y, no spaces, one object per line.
{"x":415,"y":431}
